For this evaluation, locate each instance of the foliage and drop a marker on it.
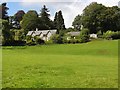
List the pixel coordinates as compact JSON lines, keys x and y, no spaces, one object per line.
{"x":19,"y":15}
{"x":70,"y":29}
{"x":18,"y":34}
{"x":77,"y":22}
{"x":84,"y":35}
{"x":97,"y":17}
{"x":6,"y":34}
{"x":17,"y":18}
{"x":57,"y":39}
{"x":39,"y":40}
{"x":59,"y":21}
{"x":30,"y":40}
{"x":29,"y":21}
{"x":99,"y":34}
{"x":45,"y":20}
{"x":3,"y":11}
{"x":34,"y":40}
{"x":111,"y":35}
{"x":90,"y":17}
{"x":110,"y":19}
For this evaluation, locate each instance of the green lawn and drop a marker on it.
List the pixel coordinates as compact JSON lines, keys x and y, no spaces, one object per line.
{"x":89,"y":65}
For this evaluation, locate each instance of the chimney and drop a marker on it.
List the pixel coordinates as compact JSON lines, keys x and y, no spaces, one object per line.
{"x":36,"y":29}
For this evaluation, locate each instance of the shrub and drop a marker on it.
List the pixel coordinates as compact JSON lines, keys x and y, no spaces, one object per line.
{"x":57,"y":39}
{"x":84,"y":35}
{"x":39,"y":40}
{"x":15,"y":43}
{"x":99,"y":34}
{"x":116,"y":35}
{"x":111,"y":35}
{"x":30,"y":40}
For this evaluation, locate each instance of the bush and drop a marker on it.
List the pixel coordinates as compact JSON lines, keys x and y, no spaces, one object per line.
{"x":99,"y":34}
{"x":116,"y":35}
{"x":49,"y":42}
{"x":34,"y":40}
{"x":84,"y":35}
{"x":30,"y":40}
{"x":39,"y":41}
{"x":111,"y":35}
{"x":15,"y":43}
{"x":57,"y":39}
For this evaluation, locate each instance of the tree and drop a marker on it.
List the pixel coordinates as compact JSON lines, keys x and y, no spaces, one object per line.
{"x":17,"y":18}
{"x":6,"y":35}
{"x":30,"y":21}
{"x":55,"y":20}
{"x":110,"y":19}
{"x":59,"y":21}
{"x":44,"y":18}
{"x":3,"y":11}
{"x":97,"y":17}
{"x":77,"y":22}
{"x":19,"y":15}
{"x":90,"y":17}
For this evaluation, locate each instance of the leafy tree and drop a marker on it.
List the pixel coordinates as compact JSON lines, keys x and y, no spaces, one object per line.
{"x":90,"y":17}
{"x":97,"y":17}
{"x":77,"y":22}
{"x":110,"y":19}
{"x":59,"y":21}
{"x":3,"y":11}
{"x":17,"y":18}
{"x":19,"y":15}
{"x":30,"y":21}
{"x":6,"y":35}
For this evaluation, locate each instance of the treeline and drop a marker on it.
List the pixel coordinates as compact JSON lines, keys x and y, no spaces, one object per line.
{"x":98,"y":18}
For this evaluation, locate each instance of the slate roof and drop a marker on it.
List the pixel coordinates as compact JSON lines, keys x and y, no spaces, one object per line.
{"x":41,"y":31}
{"x":74,"y":33}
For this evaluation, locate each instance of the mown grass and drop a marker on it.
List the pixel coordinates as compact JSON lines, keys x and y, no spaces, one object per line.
{"x":89,"y":65}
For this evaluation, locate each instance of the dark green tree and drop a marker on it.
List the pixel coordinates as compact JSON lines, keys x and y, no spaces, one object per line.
{"x":59,"y":21}
{"x":90,"y":17}
{"x":29,"y":21}
{"x":55,"y":20}
{"x":77,"y":22}
{"x":97,"y":17}
{"x":109,"y":19}
{"x":44,"y":18}
{"x":3,"y":11}
{"x":6,"y":35}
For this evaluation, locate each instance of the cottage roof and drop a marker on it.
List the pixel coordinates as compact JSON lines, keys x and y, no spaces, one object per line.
{"x":44,"y":32}
{"x":30,"y":33}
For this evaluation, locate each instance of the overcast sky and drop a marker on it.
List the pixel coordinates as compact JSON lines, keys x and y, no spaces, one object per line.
{"x":69,"y":8}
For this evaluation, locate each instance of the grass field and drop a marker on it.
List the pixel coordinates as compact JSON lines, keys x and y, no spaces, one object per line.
{"x":89,"y":65}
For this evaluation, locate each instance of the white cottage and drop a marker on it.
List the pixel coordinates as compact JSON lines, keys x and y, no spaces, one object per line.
{"x":43,"y":34}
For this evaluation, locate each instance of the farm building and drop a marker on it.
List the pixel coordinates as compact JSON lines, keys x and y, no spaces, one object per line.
{"x":43,"y":34}
{"x":93,"y":36}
